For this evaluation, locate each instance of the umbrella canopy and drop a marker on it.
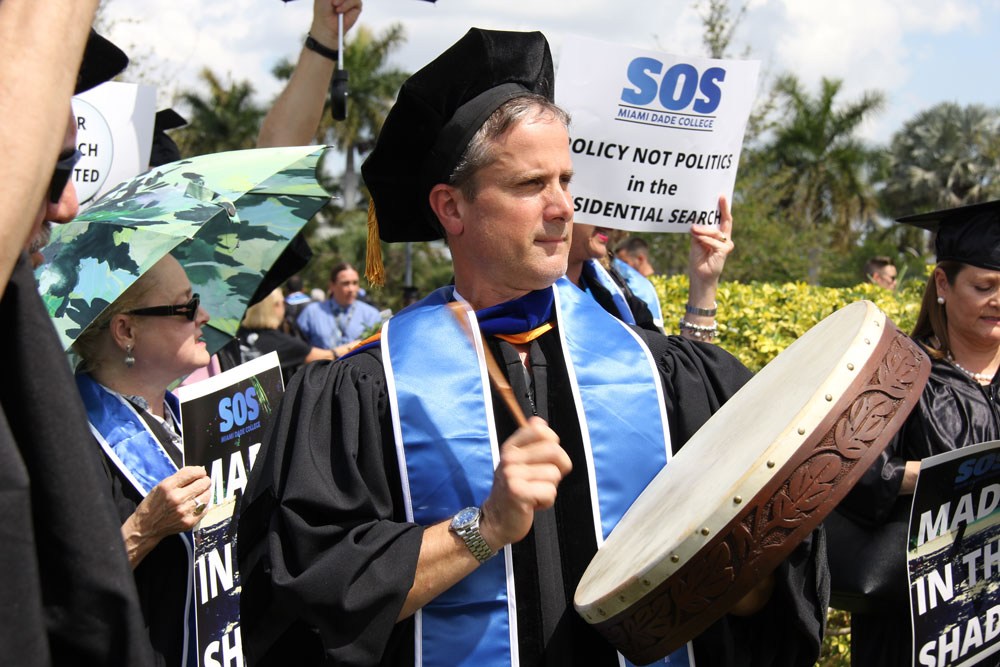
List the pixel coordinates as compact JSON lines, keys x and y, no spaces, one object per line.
{"x":226,"y":217}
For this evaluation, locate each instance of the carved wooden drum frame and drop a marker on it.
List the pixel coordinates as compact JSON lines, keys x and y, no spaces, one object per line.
{"x":752,"y":483}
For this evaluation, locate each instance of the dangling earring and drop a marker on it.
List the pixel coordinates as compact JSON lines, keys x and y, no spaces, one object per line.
{"x":940,"y":300}
{"x":129,"y":359}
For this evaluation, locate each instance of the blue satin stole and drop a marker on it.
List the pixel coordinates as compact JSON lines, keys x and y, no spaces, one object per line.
{"x":593,"y":270}
{"x":135,"y":451}
{"x":642,"y":288}
{"x":447,"y":447}
{"x":124,"y":436}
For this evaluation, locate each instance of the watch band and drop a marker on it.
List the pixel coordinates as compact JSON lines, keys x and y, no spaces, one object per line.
{"x":472,"y":537}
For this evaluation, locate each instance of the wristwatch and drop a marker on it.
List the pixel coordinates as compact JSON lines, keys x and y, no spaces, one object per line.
{"x":465,"y":524}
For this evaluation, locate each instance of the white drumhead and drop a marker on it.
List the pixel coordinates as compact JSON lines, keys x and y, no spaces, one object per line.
{"x":729,"y":458}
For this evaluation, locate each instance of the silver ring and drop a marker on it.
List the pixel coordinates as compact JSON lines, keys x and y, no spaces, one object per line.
{"x":198,"y":507}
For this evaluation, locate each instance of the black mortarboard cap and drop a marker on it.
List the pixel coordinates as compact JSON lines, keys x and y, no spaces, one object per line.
{"x":164,"y":150}
{"x":102,"y":61}
{"x":436,"y":114}
{"x":967,"y":234}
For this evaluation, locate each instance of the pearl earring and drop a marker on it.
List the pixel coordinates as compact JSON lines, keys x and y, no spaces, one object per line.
{"x":940,"y":300}
{"x":129,"y":359}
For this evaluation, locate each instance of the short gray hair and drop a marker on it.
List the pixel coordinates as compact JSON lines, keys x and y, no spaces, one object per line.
{"x":480,"y":151}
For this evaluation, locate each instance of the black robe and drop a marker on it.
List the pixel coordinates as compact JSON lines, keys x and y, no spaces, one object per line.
{"x":327,"y":558}
{"x":69,"y":597}
{"x":953,"y":412}
{"x":640,"y":311}
{"x":162,"y":578}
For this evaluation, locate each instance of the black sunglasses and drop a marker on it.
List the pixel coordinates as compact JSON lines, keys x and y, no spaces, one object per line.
{"x":188,"y":310}
{"x":61,"y":175}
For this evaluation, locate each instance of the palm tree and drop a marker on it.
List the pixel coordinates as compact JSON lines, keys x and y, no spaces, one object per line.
{"x":945,"y":157}
{"x":822,"y":170}
{"x":226,"y":119}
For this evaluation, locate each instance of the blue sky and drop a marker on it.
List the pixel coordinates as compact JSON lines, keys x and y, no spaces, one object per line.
{"x":918,"y":52}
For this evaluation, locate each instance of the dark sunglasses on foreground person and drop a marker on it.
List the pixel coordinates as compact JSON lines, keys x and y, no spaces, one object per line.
{"x":188,"y":310}
{"x":62,"y":174}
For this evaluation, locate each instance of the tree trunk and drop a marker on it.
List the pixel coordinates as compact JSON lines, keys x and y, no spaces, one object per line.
{"x":813,"y":266}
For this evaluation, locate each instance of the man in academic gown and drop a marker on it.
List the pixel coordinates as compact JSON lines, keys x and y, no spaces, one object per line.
{"x":397,"y":514}
{"x":69,"y":596}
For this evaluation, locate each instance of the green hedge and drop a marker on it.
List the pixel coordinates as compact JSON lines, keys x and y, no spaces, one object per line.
{"x":759,"y":320}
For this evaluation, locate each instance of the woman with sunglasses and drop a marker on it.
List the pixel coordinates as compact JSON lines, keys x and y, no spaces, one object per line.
{"x":131,"y":354}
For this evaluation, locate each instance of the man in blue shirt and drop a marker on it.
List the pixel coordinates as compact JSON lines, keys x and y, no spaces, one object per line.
{"x":337,"y":323}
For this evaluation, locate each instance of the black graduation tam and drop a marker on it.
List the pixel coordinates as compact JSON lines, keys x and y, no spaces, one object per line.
{"x":164,"y":150}
{"x":102,"y":61}
{"x":438,"y":111}
{"x":968,"y":234}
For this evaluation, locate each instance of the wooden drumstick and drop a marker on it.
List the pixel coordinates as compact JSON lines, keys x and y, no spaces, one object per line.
{"x":497,"y":379}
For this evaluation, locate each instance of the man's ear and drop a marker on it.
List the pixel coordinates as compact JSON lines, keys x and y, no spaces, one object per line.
{"x":446,"y":202}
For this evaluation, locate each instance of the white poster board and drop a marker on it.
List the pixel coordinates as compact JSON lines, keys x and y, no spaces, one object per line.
{"x":114,"y":131}
{"x":655,"y":138}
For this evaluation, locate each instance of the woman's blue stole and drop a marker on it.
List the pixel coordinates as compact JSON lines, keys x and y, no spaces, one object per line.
{"x":642,"y":288}
{"x":593,"y":270}
{"x":135,"y":451}
{"x":447,"y":447}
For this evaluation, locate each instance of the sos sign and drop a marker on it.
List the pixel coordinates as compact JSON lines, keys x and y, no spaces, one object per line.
{"x":238,"y":409}
{"x":677,"y":87}
{"x":977,"y":467}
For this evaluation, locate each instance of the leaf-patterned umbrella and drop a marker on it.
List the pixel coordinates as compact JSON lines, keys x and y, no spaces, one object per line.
{"x":226,"y":217}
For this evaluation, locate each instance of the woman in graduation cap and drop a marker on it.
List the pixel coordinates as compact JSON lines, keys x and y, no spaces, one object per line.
{"x":959,"y":328}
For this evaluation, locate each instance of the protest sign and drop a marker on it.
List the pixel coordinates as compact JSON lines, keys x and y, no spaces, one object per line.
{"x":953,"y":555}
{"x":224,"y":419}
{"x":655,"y":138}
{"x":114,"y":131}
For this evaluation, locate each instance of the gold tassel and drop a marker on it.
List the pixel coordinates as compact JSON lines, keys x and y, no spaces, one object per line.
{"x":374,"y":269}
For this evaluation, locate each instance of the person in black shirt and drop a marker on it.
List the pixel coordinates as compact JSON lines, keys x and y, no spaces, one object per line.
{"x":260,"y":333}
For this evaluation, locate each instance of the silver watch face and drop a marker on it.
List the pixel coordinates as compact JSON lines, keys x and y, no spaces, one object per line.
{"x":465,"y":518}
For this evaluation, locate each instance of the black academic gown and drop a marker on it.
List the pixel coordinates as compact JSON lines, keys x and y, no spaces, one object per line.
{"x":327,"y":557}
{"x":953,"y":412}
{"x":69,"y":597}
{"x":162,"y":578}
